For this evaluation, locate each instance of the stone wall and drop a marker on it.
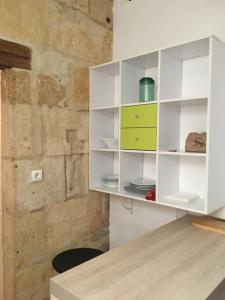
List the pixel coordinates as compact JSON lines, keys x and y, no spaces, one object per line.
{"x":45,"y":125}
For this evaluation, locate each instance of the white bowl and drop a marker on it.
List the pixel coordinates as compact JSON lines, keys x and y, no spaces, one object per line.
{"x":111,"y":143}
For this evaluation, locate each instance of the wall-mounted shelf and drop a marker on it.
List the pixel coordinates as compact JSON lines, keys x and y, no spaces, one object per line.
{"x":189,"y":97}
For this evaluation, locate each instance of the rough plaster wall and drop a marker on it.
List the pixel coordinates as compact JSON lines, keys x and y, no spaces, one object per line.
{"x":45,"y":125}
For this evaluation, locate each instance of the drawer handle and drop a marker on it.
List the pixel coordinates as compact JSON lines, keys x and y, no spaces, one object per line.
{"x":136,"y":139}
{"x":137,"y":116}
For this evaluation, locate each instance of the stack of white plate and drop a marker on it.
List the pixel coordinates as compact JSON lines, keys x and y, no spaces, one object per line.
{"x":110,"y":181}
{"x":140,"y":186}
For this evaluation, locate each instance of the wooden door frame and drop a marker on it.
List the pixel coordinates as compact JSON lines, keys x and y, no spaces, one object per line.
{"x":12,"y":55}
{"x":1,"y":214}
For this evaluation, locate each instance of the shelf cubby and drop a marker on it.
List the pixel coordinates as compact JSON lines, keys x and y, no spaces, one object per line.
{"x":136,"y":165}
{"x":102,"y":164}
{"x":184,"y":70}
{"x":132,"y":71}
{"x":105,"y":86}
{"x":182,"y":173}
{"x":103,"y":124}
{"x":177,"y":120}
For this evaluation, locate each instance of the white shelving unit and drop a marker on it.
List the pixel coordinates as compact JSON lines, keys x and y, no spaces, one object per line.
{"x":190,"y":96}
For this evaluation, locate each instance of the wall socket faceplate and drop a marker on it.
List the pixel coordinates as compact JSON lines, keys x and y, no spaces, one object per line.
{"x":36,"y":175}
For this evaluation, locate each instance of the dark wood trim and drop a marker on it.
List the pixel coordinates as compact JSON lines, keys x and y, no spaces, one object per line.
{"x":13,"y":55}
{"x":3,"y":67}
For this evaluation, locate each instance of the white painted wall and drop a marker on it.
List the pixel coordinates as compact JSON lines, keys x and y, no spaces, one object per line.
{"x":141,"y":26}
{"x":126,"y":225}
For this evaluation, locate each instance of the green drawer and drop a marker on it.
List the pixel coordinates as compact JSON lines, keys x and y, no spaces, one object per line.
{"x":139,"y":116}
{"x":138,"y":138}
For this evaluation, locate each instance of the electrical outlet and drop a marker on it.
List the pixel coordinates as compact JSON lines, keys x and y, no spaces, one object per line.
{"x":36,"y":175}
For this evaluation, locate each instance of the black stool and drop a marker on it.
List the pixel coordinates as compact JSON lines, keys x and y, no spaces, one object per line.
{"x":71,"y":258}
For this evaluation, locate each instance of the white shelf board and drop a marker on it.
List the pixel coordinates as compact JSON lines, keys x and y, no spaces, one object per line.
{"x":175,"y":204}
{"x":104,"y":189}
{"x":182,"y":153}
{"x":125,"y":194}
{"x":139,"y":103}
{"x":108,"y":108}
{"x":197,"y":206}
{"x":138,"y":151}
{"x":105,"y":149}
{"x":188,"y":101}
{"x":125,"y":151}
{"x":135,"y":197}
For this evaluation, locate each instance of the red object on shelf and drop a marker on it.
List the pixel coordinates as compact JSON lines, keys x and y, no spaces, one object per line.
{"x":150,"y":195}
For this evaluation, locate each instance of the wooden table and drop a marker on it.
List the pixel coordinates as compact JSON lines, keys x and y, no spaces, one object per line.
{"x":176,"y":261}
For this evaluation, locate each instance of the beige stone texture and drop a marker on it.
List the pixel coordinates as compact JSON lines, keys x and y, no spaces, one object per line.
{"x":36,"y":135}
{"x":7,"y":130}
{"x":19,"y":119}
{"x":68,"y":227}
{"x":31,"y":238}
{"x":50,"y":91}
{"x":45,"y":125}
{"x":100,"y":239}
{"x":62,"y":73}
{"x":81,"y":242}
{"x":81,"y":5}
{"x":76,"y":175}
{"x":32,"y":281}
{"x":8,"y":186}
{"x":50,"y":63}
{"x":101,"y":11}
{"x":19,"y":89}
{"x":27,"y":196}
{"x":79,"y":76}
{"x":79,"y":36}
{"x":8,"y":236}
{"x":95,"y":218}
{"x":65,"y":131}
{"x":42,"y":293}
{"x":78,"y":138}
{"x":34,"y":196}
{"x":25,"y":20}
{"x":21,"y":131}
{"x":97,"y":211}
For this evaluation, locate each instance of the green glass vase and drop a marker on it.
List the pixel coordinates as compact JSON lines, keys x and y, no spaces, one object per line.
{"x":146,"y":89}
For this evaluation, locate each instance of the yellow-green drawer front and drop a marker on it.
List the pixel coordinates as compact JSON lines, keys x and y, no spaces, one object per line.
{"x":138,"y":138}
{"x":139,"y":116}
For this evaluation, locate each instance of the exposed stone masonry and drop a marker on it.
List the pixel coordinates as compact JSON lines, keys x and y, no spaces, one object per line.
{"x":45,"y":125}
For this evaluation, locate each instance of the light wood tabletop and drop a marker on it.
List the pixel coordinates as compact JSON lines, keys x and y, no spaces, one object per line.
{"x":176,"y":261}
